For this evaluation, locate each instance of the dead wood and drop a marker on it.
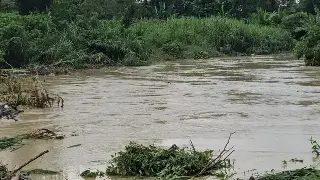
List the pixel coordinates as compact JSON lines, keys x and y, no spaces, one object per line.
{"x":14,"y":172}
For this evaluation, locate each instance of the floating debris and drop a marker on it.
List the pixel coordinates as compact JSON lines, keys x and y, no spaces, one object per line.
{"x":27,"y":91}
{"x":92,"y":174}
{"x":44,"y":134}
{"x":9,"y":111}
{"x":167,"y":163}
{"x":41,"y":171}
{"x":77,"y":145}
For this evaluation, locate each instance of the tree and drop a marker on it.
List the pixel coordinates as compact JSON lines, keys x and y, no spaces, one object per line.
{"x":309,"y":5}
{"x":27,"y":6}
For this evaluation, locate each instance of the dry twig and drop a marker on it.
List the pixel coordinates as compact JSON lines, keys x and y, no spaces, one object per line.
{"x":218,"y":159}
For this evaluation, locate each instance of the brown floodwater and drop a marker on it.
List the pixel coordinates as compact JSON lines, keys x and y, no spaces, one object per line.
{"x":271,"y":102}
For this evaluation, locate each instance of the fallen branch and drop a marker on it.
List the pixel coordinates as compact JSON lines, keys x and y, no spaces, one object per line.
{"x":218,"y":159}
{"x":9,"y":177}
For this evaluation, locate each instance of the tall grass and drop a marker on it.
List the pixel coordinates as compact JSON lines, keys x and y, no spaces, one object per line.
{"x":39,"y":39}
{"x":227,"y":36}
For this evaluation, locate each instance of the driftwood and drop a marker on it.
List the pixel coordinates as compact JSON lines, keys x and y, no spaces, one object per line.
{"x":9,"y":111}
{"x":14,"y":172}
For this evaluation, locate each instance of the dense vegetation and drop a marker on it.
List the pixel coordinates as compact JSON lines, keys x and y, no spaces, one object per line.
{"x":95,"y":33}
{"x":168,"y":163}
{"x":298,"y":174}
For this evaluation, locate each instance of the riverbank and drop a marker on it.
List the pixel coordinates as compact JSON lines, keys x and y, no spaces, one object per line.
{"x":40,"y":40}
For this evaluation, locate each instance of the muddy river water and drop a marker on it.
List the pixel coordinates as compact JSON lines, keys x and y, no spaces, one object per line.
{"x":271,"y":102}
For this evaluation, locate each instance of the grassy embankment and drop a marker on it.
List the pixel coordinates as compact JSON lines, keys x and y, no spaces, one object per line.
{"x":39,"y":39}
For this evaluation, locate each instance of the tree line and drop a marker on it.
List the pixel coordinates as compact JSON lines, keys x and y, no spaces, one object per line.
{"x":161,"y":9}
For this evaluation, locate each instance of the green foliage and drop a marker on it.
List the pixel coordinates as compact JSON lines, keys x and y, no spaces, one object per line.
{"x":309,"y":46}
{"x":299,"y":174}
{"x":201,"y":55}
{"x":39,"y":39}
{"x":295,"y":23}
{"x":315,"y":147}
{"x":22,"y":35}
{"x":264,"y":17}
{"x":139,"y":160}
{"x":36,"y":39}
{"x":174,"y":49}
{"x":8,"y":142}
{"x":228,"y":36}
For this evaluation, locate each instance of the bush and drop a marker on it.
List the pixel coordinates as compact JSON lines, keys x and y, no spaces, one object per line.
{"x":228,"y":36}
{"x":41,"y":39}
{"x":139,"y":160}
{"x":174,"y":49}
{"x":265,"y":18}
{"x":298,"y":174}
{"x":309,"y":47}
{"x":23,"y":36}
{"x":295,"y":24}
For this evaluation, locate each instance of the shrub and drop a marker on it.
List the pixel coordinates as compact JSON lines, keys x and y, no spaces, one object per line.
{"x":39,"y":39}
{"x":174,"y":49}
{"x":298,"y":174}
{"x":295,"y":24}
{"x":228,"y":36}
{"x":139,"y":160}
{"x":309,"y":47}
{"x":23,"y":36}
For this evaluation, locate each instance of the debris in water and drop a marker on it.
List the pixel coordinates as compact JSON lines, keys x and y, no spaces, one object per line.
{"x":28,"y":91}
{"x":41,"y":171}
{"x":45,"y":134}
{"x":89,"y":173}
{"x":77,"y":145}
{"x":9,"y":111}
{"x":3,"y":171}
{"x":173,"y":162}
{"x":16,"y":172}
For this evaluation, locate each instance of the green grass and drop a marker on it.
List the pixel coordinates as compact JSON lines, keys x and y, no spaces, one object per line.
{"x":299,"y":174}
{"x":86,"y":42}
{"x":186,"y":37}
